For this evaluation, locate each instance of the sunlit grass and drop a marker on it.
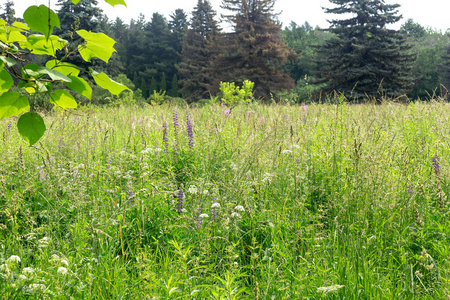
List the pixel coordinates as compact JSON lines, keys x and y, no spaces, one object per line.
{"x":278,"y":202}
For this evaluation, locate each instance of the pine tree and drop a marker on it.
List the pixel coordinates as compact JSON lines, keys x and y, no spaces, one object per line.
{"x":255,"y":50}
{"x":195,"y":69}
{"x":153,"y":86}
{"x":365,"y":59}
{"x":174,"y":86}
{"x":9,"y":13}
{"x":178,"y":25}
{"x":144,"y":89}
{"x":445,"y":73}
{"x":163,"y":85}
{"x":135,"y":79}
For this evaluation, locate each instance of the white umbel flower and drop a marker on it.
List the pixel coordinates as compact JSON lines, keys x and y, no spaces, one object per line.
{"x":27,"y":271}
{"x":239,"y":208}
{"x":13,"y":258}
{"x":203,"y":216}
{"x":215,"y":205}
{"x":62,"y":271}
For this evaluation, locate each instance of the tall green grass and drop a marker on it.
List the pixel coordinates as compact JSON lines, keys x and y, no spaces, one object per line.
{"x":318,"y":202}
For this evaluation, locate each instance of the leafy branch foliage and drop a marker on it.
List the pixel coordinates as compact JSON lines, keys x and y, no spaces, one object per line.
{"x":34,"y":36}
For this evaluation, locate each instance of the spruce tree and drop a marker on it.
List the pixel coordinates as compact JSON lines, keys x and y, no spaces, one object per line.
{"x":255,"y":50}
{"x":174,"y":86}
{"x":365,"y":59}
{"x":144,"y":88}
{"x":163,"y":84}
{"x":445,"y":73}
{"x":195,"y":69}
{"x":153,"y":86}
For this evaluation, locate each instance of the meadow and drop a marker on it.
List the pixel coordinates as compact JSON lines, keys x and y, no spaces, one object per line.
{"x":318,"y":201}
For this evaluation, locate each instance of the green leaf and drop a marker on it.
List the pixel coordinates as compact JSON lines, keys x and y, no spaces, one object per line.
{"x":39,"y":44}
{"x":41,"y":19}
{"x":97,"y":45}
{"x":63,"y":67}
{"x":12,"y":104}
{"x":54,"y":75}
{"x":115,"y":2}
{"x":80,"y":86}
{"x":21,"y":25}
{"x":6,"y":81}
{"x":63,"y":99}
{"x":105,"y":82}
{"x":75,"y":1}
{"x":8,"y":61}
{"x":31,"y":126}
{"x":36,"y":72}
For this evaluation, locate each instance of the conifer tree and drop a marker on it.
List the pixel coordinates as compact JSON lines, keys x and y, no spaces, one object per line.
{"x":365,"y":59}
{"x":163,"y":84}
{"x":144,"y":88}
{"x":153,"y":86}
{"x":195,"y":69}
{"x":174,"y":86}
{"x":445,"y":72}
{"x":255,"y":50}
{"x":9,"y":13}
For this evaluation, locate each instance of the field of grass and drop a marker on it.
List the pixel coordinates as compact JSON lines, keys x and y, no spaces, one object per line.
{"x":260,"y":202}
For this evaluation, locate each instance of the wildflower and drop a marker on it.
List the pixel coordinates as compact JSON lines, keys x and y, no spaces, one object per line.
{"x":54,"y":257}
{"x":205,"y":192}
{"x":108,"y":163}
{"x":286,"y":151}
{"x":165,"y":138}
{"x":41,"y":173}
{"x":198,"y":219}
{"x":37,"y":287}
{"x":239,"y":208}
{"x":62,"y":271}
{"x":4,"y":268}
{"x":304,"y":108}
{"x":27,"y":270}
{"x":13,"y":258}
{"x":156,"y":148}
{"x":62,"y":145}
{"x":180,"y":201}
{"x":235,"y":215}
{"x":331,"y":288}
{"x":193,"y":189}
{"x":65,"y":262}
{"x":215,"y":205}
{"x":436,"y":164}
{"x":44,"y":242}
{"x":22,"y":277}
{"x":189,"y":130}
{"x":203,"y":216}
{"x":175,"y":130}
{"x":410,"y":189}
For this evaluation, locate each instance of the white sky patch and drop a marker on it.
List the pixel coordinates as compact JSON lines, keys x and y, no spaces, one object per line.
{"x":430,"y":13}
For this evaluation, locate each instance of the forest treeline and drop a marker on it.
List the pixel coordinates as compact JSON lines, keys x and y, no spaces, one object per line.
{"x":188,"y":56}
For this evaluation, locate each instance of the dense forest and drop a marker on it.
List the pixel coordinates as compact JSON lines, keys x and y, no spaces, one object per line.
{"x":188,"y":57}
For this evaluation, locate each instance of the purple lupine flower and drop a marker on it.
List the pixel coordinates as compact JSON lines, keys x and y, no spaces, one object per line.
{"x":198,"y":219}
{"x":297,"y":162}
{"x":62,"y":145}
{"x":180,"y":201}
{"x":410,"y":189}
{"x":436,"y":165}
{"x":165,"y":138}
{"x":108,"y":163}
{"x":130,"y":192}
{"x":175,"y":130}
{"x":189,"y":130}
{"x":156,"y":148}
{"x":41,"y":173}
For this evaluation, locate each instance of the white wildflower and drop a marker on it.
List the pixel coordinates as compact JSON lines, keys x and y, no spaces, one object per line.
{"x":22,"y":277}
{"x":184,"y":210}
{"x":37,"y":287}
{"x":234,"y":167}
{"x":235,"y":215}
{"x":239,"y":208}
{"x":13,"y":258}
{"x":65,"y":262}
{"x":267,"y":177}
{"x":215,"y":205}
{"x":203,"y":216}
{"x":4,"y":268}
{"x":331,"y":288}
{"x":193,"y":189}
{"x":205,"y":192}
{"x":62,"y":271}
{"x":146,"y":151}
{"x":286,"y":151}
{"x":27,"y":271}
{"x":44,"y":242}
{"x":54,"y":257}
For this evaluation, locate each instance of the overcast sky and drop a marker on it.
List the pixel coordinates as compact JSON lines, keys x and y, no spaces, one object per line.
{"x":429,"y":13}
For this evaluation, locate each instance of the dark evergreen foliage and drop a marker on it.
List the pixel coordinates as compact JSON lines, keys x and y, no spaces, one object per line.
{"x":255,"y":50}
{"x":195,"y":70}
{"x":365,"y":59}
{"x":445,"y":72}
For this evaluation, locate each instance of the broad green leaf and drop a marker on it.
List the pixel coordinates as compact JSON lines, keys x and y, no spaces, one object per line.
{"x":115,"y":2}
{"x":15,"y":36}
{"x":36,"y":72}
{"x":105,"y":82}
{"x":12,"y":104}
{"x":75,"y":1}
{"x":39,"y":44}
{"x":6,"y":81}
{"x":31,"y":126}
{"x":8,"y":61}
{"x":41,"y":19}
{"x":63,"y":99}
{"x":80,"y":86}
{"x":63,"y":67}
{"x":33,"y":87}
{"x":2,"y":22}
{"x":21,"y":25}
{"x":97,"y":45}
